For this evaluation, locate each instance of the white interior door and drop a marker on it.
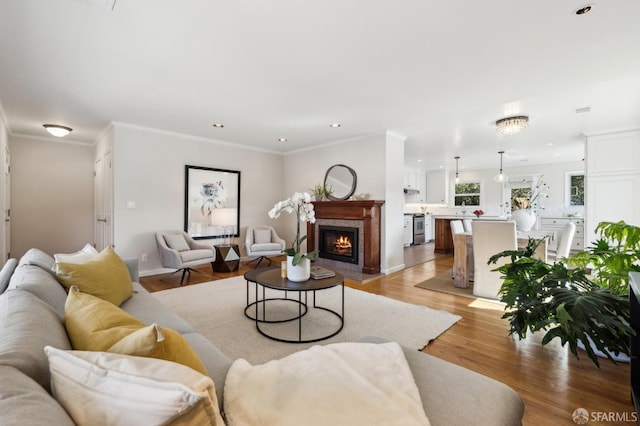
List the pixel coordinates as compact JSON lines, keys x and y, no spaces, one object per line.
{"x":103,"y":202}
{"x":97,"y":203}
{"x":107,"y":200}
{"x":6,"y":247}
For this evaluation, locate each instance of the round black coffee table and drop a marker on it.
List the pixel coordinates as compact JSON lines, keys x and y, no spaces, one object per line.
{"x":251,"y":277}
{"x":270,"y":279}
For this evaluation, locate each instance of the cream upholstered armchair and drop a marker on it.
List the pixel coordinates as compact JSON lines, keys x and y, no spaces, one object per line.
{"x":262,"y":241}
{"x":178,"y":250}
{"x":490,"y":238}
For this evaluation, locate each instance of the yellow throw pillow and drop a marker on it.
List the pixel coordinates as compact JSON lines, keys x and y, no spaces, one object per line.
{"x":94,"y":324}
{"x":161,"y":343}
{"x":106,"y":277}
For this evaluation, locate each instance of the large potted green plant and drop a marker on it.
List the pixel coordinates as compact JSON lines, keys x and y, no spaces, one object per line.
{"x":580,"y":299}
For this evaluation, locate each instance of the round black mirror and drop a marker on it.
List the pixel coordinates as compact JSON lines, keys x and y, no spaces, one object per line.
{"x":341,"y":181}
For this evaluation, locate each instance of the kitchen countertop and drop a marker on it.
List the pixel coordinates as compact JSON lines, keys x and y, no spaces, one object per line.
{"x":468,"y":216}
{"x":561,"y":217}
{"x":486,"y":217}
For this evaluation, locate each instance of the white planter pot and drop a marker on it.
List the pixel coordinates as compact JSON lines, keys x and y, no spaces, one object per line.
{"x":524,"y":218}
{"x":598,"y":352}
{"x":300,"y":272}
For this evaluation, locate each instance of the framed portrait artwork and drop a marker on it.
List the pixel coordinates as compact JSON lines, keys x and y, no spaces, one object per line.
{"x":211,"y":202}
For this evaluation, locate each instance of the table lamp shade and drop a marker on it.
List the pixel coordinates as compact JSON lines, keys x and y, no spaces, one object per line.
{"x":224,"y":216}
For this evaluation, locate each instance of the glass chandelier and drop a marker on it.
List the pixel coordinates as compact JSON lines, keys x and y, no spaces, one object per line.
{"x":511,"y":125}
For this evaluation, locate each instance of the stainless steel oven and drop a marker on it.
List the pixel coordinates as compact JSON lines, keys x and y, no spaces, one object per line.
{"x":418,"y":229}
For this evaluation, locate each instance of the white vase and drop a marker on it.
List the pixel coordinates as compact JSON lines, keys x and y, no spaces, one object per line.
{"x":524,"y":218}
{"x":598,"y":352}
{"x":300,"y":272}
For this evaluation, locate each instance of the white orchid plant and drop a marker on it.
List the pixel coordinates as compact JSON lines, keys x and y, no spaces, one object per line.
{"x":300,"y":204}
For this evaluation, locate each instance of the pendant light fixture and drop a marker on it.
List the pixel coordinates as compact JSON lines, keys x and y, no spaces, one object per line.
{"x":500,"y":177}
{"x":457,"y":158}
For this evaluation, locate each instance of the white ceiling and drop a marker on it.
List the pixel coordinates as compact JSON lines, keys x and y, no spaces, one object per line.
{"x":438,"y":72}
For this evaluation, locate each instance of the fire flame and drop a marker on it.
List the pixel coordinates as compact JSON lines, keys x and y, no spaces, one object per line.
{"x":343,"y":244}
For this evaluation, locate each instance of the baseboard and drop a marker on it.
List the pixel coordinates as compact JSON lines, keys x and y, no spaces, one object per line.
{"x":159,"y":271}
{"x":149,"y":272}
{"x":392,"y":270}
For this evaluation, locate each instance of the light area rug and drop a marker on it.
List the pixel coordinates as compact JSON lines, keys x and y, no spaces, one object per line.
{"x":216,"y":310}
{"x":444,"y":283}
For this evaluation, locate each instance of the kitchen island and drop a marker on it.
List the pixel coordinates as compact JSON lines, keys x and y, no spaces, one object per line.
{"x":442,"y":230}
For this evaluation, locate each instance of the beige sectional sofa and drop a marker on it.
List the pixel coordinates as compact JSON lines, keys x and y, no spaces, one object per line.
{"x":31,"y":317}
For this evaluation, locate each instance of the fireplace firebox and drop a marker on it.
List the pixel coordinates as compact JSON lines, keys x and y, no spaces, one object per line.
{"x":338,"y":243}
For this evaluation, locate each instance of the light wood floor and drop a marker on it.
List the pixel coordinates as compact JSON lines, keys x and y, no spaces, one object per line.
{"x":549,"y":379}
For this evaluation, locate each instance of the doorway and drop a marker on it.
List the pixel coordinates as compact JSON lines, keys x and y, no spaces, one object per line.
{"x":6,"y":207}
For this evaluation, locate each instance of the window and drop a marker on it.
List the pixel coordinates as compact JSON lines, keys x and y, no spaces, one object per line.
{"x":574,"y":192}
{"x":467,"y":193}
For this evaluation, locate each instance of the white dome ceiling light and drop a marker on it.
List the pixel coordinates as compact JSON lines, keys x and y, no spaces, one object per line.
{"x":57,"y":130}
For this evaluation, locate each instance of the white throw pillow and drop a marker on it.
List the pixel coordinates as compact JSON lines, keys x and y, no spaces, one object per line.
{"x":177,"y":242}
{"x":355,"y":384}
{"x":261,"y":236}
{"x":105,"y":388}
{"x":85,"y":255}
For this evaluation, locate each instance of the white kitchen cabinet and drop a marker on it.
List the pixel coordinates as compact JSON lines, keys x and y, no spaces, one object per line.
{"x":557,"y":224}
{"x":428,"y":228}
{"x":437,"y":187}
{"x":421,"y":186}
{"x":407,"y":235}
{"x":416,"y":180}
{"x":410,"y":178}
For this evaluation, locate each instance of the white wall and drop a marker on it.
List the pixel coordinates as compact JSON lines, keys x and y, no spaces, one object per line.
{"x":367,"y":155}
{"x":393,"y":226}
{"x":149,"y":169}
{"x":613,"y":179}
{"x":51,"y":195}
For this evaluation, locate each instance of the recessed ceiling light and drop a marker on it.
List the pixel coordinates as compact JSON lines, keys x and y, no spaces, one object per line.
{"x":335,"y":125}
{"x":57,"y":130}
{"x":419,"y":160}
{"x":282,"y":139}
{"x":583,"y":10}
{"x":218,"y":125}
{"x":550,"y":144}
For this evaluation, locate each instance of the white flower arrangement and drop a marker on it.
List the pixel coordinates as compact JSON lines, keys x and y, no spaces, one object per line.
{"x":300,"y":204}
{"x":538,"y":193}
